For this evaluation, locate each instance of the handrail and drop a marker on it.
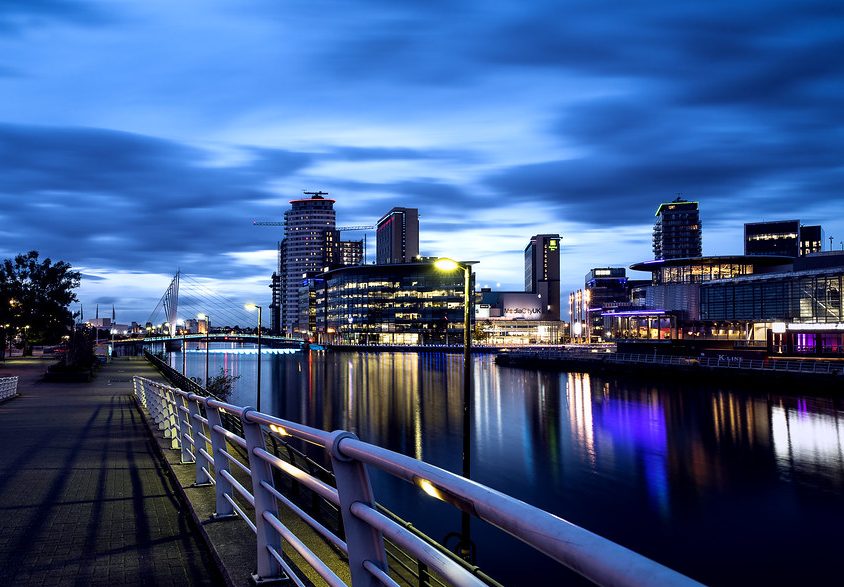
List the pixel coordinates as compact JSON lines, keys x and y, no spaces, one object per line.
{"x":365,"y":529}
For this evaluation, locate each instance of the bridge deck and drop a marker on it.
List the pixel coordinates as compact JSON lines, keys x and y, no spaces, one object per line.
{"x":83,"y":497}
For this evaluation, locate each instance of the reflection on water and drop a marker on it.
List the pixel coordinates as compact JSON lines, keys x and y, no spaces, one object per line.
{"x":732,"y":486}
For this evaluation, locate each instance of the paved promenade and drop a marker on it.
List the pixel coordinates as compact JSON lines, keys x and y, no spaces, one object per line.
{"x":83,"y":498}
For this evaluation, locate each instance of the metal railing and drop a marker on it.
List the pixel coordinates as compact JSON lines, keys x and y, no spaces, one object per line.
{"x":326,"y":512}
{"x":194,"y":426}
{"x":8,"y":388}
{"x":819,"y":367}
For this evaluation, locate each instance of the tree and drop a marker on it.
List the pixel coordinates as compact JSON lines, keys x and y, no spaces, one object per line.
{"x":35,"y":295}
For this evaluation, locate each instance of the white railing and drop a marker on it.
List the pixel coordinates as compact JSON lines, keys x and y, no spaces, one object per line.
{"x":8,"y":387}
{"x":195,"y":426}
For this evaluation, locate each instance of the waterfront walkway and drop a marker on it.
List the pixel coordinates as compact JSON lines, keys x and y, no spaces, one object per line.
{"x":83,"y":497}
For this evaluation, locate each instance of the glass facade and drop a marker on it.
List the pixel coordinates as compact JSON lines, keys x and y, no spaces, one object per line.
{"x":409,"y":303}
{"x":807,"y":297}
{"x":700,"y":272}
{"x":642,"y":326}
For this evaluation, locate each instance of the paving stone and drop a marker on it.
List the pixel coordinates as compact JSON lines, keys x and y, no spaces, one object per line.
{"x":83,"y":498}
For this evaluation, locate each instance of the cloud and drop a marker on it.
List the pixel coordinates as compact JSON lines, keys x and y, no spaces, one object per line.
{"x":636,"y":151}
{"x":503,"y":118}
{"x":17,"y":15}
{"x":132,"y":202}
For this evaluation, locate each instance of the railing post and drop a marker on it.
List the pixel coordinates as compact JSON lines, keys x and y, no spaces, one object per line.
{"x":182,"y":415}
{"x":170,"y":412}
{"x":145,"y":395}
{"x":155,"y":412}
{"x":364,"y":541}
{"x":201,"y":477}
{"x":266,"y":536}
{"x":136,"y":387}
{"x":222,"y":487}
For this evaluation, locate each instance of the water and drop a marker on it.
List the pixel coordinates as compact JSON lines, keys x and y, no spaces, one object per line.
{"x":730,"y":485}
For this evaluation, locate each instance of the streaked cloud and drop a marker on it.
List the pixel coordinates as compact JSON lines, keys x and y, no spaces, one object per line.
{"x":144,"y":138}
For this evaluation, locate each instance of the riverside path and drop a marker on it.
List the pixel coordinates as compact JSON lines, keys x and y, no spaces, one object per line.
{"x":83,"y":497}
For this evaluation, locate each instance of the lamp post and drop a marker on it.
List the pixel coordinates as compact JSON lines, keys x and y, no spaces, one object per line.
{"x":207,"y":320}
{"x":445,"y":264}
{"x":259,"y":308}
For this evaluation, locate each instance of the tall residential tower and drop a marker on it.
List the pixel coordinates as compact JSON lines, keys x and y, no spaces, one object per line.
{"x":677,"y":232}
{"x":302,"y":254}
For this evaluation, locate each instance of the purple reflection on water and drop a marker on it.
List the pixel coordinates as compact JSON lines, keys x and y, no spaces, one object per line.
{"x":641,"y":429}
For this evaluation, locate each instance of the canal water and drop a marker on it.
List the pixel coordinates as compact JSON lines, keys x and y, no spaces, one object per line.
{"x":730,"y":485}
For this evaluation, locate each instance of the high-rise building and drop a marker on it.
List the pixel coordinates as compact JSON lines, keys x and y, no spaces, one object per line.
{"x":677,"y":230}
{"x":782,"y":237}
{"x":397,"y":236}
{"x":302,"y":255}
{"x":542,"y":272}
{"x":340,"y":253}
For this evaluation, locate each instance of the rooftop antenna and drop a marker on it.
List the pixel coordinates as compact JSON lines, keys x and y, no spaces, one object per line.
{"x":316,"y":194}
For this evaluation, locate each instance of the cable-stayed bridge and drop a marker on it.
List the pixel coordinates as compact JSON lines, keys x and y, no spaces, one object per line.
{"x":189,"y":298}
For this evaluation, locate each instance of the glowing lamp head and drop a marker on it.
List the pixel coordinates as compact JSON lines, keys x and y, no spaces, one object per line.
{"x":446,"y":264}
{"x":251,"y":307}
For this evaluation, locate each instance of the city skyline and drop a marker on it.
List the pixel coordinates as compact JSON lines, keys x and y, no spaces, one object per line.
{"x":138,"y":140}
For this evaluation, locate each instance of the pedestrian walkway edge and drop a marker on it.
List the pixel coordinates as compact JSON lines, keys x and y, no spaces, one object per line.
{"x":224,"y":538}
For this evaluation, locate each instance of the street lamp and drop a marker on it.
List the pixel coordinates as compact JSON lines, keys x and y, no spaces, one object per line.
{"x":448,"y":265}
{"x":259,"y":308}
{"x":207,"y":320}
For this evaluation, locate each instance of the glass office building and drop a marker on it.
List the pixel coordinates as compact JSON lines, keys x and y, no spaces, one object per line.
{"x":405,"y":303}
{"x":798,"y":313}
{"x":803,"y":296}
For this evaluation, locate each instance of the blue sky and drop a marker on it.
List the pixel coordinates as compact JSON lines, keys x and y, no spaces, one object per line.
{"x":137,"y":138}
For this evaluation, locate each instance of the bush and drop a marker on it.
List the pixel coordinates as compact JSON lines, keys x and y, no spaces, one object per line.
{"x":221,"y":385}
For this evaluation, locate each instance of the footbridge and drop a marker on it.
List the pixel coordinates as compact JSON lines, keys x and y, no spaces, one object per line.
{"x":193,"y":305}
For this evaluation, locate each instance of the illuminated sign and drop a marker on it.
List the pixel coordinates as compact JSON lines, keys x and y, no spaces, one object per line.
{"x":602,"y":272}
{"x":552,"y":244}
{"x":816,"y":326}
{"x":527,"y":306}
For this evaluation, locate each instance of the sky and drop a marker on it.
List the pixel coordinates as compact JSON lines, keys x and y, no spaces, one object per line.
{"x":142,"y":138}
